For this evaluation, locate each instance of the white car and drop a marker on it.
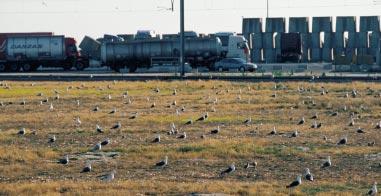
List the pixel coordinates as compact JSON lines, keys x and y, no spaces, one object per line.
{"x":234,"y":63}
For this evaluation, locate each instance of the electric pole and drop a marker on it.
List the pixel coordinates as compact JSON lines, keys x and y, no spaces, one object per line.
{"x":182,"y":39}
{"x":267,"y":10}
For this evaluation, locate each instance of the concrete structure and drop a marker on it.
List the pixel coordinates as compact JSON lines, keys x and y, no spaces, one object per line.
{"x":369,"y":23}
{"x":275,"y":25}
{"x":320,"y":43}
{"x":321,"y":24}
{"x":345,"y":23}
{"x":299,"y":25}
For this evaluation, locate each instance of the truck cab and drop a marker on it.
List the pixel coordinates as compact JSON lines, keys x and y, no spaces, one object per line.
{"x":234,"y":46}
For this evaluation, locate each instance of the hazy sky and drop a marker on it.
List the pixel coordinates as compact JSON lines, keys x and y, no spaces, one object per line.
{"x":77,"y":18}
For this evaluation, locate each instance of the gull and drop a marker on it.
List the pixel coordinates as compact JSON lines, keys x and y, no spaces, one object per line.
{"x":183,"y":136}
{"x":177,"y":112}
{"x":352,"y":123}
{"x":117,"y":126}
{"x":78,"y":121}
{"x":57,"y":97}
{"x":315,"y":125}
{"x":302,"y":121}
{"x":378,"y":125}
{"x":108,"y":177}
{"x":109,"y":97}
{"x":129,"y":101}
{"x":64,"y":160}
{"x":215,"y":131}
{"x":97,"y":147}
{"x":247,"y":121}
{"x":174,"y":92}
{"x":134,"y":116}
{"x":157,"y":139}
{"x":342,"y":141}
{"x":229,"y":170}
{"x":51,"y":108}
{"x":153,"y":105}
{"x":183,"y":109}
{"x":295,"y":183}
{"x":173,"y":126}
{"x":99,"y":129}
{"x":78,"y":103}
{"x":248,"y":165}
{"x":354,"y":93}
{"x":308,"y":175}
{"x":273,"y":132}
{"x":87,"y":168}
{"x":23,"y":102}
{"x":189,"y":122}
{"x":52,"y":139}
{"x":105,"y":142}
{"x":45,"y":100}
{"x":335,"y":114}
{"x":360,"y":130}
{"x":295,"y":134}
{"x":162,"y":163}
{"x":22,"y":131}
{"x":96,"y":109}
{"x":203,"y":117}
{"x":327,"y":163}
{"x":157,"y":90}
{"x":113,"y":111}
{"x":174,"y":103}
{"x":214,"y":109}
{"x":372,"y":143}
{"x":373,"y":191}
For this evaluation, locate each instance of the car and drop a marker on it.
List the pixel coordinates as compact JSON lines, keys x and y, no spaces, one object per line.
{"x":234,"y":63}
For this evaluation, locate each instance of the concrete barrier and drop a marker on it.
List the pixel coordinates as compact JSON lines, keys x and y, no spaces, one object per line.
{"x":345,"y":23}
{"x":299,"y":25}
{"x":369,"y":23}
{"x":275,"y":25}
{"x":321,"y":24}
{"x":256,"y":40}
{"x":269,"y":55}
{"x":251,"y":25}
{"x":316,"y":55}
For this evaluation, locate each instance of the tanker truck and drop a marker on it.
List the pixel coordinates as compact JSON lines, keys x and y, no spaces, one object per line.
{"x":199,"y":52}
{"x":28,"y":51}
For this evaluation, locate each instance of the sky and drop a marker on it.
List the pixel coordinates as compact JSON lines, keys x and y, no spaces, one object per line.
{"x":77,"y":18}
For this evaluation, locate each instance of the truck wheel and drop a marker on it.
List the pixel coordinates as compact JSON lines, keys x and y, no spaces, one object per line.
{"x":2,"y":68}
{"x":14,"y":68}
{"x":242,"y":69}
{"x":80,"y":66}
{"x":27,"y":67}
{"x":220,"y":69}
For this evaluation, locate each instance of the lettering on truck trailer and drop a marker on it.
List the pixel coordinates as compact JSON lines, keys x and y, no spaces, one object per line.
{"x":24,"y":46}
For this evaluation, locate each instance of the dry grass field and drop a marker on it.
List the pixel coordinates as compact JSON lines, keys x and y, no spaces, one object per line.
{"x":29,"y":163}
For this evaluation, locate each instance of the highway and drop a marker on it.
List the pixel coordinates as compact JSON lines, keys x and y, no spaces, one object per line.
{"x":243,"y":77}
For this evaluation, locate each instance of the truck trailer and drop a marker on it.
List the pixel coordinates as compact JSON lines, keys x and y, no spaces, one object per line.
{"x":28,"y":51}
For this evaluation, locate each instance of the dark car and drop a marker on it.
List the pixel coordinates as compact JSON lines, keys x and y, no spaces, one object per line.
{"x":234,"y":63}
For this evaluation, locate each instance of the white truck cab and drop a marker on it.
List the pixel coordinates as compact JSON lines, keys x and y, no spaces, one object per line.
{"x":235,"y":46}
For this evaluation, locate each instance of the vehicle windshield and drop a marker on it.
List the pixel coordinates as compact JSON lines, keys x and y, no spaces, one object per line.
{"x":240,"y":60}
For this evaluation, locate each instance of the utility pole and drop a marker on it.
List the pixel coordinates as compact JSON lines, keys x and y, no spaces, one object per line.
{"x":182,"y":40}
{"x":267,"y":10}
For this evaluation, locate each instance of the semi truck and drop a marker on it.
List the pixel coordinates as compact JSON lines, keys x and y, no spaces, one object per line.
{"x":199,"y":51}
{"x":28,"y":51}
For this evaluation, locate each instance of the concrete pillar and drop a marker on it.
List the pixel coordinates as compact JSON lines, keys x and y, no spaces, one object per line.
{"x":298,"y":25}
{"x":269,"y":55}
{"x":345,"y":23}
{"x":268,"y":40}
{"x":275,"y":25}
{"x":277,"y":39}
{"x":321,"y":24}
{"x":374,"y":38}
{"x":315,"y":40}
{"x":256,"y":55}
{"x":251,"y":25}
{"x":362,"y":40}
{"x":316,"y":55}
{"x":338,"y":40}
{"x":256,"y":40}
{"x":369,"y":23}
{"x":327,"y":42}
{"x":327,"y":55}
{"x":351,"y":42}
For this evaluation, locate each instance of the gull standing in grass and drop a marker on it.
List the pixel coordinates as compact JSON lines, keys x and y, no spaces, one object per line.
{"x":105,"y":142}
{"x":108,"y":177}
{"x":22,"y":131}
{"x":87,"y":168}
{"x":302,"y":121}
{"x":247,"y":121}
{"x":229,"y":170}
{"x":327,"y":162}
{"x":308,"y":175}
{"x":373,"y":191}
{"x":183,"y":136}
{"x":157,"y":139}
{"x":64,"y":160}
{"x":118,"y":125}
{"x":78,"y":121}
{"x":162,"y":163}
{"x":295,"y":183}
{"x":273,"y":132}
{"x":51,"y":108}
{"x":52,"y":139}
{"x":343,"y":141}
{"x":215,"y":131}
{"x":97,"y":147}
{"x":98,"y":129}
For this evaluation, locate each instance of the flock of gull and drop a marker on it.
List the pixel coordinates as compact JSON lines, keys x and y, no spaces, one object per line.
{"x":181,"y":135}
